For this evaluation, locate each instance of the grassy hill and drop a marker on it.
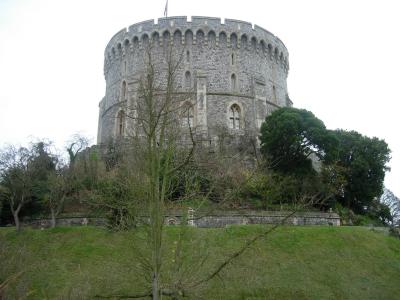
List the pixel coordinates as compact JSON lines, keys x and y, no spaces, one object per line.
{"x":292,"y":263}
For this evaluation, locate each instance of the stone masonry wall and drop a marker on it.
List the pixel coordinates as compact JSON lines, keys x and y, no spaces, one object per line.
{"x":228,"y":63}
{"x":218,"y":220}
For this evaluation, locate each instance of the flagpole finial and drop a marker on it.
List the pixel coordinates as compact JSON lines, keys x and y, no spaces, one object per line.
{"x":166,"y":10}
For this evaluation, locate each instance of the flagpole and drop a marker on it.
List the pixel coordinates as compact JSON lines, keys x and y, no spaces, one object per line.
{"x":166,"y":10}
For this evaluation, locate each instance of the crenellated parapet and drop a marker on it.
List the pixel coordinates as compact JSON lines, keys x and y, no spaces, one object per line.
{"x":207,"y":31}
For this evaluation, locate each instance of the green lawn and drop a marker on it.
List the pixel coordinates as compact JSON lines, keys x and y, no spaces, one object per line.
{"x":292,"y":263}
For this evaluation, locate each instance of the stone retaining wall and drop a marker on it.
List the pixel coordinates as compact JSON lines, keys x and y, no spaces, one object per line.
{"x":222,"y":221}
{"x":209,"y":221}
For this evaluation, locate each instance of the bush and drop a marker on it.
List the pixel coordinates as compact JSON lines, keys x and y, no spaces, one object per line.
{"x":115,"y":195}
{"x":395,"y":231}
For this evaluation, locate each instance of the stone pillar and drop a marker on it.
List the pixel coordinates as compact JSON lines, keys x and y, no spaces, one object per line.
{"x":259,"y":103}
{"x":191,"y":217}
{"x":201,"y":106}
{"x":131,"y":109}
{"x":100,"y":123}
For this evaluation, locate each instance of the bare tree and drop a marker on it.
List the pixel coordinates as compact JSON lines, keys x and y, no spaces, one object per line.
{"x":75,"y":145}
{"x":393,"y":202}
{"x":158,"y":114}
{"x":58,"y":187}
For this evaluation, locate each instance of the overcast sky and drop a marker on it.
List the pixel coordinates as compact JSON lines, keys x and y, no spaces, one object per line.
{"x":344,"y":61}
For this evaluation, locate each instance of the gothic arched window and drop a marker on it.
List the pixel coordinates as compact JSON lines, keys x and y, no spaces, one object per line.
{"x":233,"y":82}
{"x":188,"y":80}
{"x":120,"y":123}
{"x":234,"y":117}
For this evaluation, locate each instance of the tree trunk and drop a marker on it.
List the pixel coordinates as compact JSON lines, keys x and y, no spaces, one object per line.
{"x":53,"y":218}
{"x":155,"y":287}
{"x":15,"y":214}
{"x":16,"y":220}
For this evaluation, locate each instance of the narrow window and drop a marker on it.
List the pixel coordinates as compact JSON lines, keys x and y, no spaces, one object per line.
{"x":274,"y":94}
{"x":123,"y":91}
{"x":120,"y":123}
{"x":187,"y":56}
{"x":234,"y":117}
{"x":233,"y":82}
{"x":125,"y":67}
{"x":232,"y":59}
{"x":188,"y":80}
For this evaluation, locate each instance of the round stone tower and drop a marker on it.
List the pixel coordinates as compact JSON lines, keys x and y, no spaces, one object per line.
{"x":237,"y":72}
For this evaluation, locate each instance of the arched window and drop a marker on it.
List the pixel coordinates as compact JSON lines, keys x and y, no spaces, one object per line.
{"x":123,"y":91}
{"x":188,"y":80}
{"x":135,"y":42}
{"x":233,"y":40}
{"x":211,"y":38}
{"x":270,"y":51}
{"x":166,"y":38}
{"x":187,"y":115}
{"x":120,"y":123}
{"x":155,"y":37}
{"x":233,"y":82}
{"x":276,"y":54}
{"x":243,"y":41}
{"x":222,"y":38}
{"x":188,"y":37}
{"x":200,"y":37}
{"x":253,"y":43}
{"x":234,"y":117}
{"x":145,"y":40}
{"x":177,"y":37}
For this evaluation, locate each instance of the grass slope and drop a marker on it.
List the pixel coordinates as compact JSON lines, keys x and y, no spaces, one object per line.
{"x":292,"y":263}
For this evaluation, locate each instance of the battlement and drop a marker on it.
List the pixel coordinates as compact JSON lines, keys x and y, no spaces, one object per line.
{"x":242,"y":32}
{"x":174,"y":21}
{"x":141,"y":26}
{"x":238,"y":25}
{"x":201,"y":21}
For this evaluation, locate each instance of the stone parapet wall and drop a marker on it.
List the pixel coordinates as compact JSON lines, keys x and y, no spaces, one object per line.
{"x":271,"y":218}
{"x":210,"y":221}
{"x":72,"y":221}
